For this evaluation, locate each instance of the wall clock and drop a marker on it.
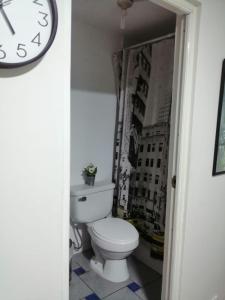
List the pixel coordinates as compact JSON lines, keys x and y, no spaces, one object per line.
{"x":27,"y":30}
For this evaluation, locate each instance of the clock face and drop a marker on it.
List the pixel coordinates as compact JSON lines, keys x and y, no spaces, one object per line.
{"x":27,"y":30}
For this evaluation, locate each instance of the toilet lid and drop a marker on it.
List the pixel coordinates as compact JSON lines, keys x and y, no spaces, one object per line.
{"x":115,"y":230}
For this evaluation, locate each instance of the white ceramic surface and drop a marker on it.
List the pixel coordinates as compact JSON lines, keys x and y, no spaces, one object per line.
{"x":91,"y":203}
{"x":113,"y":239}
{"x":114,"y":234}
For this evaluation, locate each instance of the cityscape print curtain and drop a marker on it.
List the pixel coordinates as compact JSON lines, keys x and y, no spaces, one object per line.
{"x":144,"y":78}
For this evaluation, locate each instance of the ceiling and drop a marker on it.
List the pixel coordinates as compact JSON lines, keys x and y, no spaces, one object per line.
{"x":144,"y":18}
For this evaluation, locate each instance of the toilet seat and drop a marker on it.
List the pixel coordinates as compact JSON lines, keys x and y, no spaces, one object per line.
{"x":114,"y":234}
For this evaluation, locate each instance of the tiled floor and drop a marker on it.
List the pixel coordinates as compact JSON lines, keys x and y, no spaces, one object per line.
{"x":144,"y":283}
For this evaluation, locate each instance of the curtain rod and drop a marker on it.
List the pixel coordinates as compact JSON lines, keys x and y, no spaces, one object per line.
{"x":170,"y":35}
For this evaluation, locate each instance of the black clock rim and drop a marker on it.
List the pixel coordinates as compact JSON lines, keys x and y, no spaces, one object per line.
{"x":49,"y":44}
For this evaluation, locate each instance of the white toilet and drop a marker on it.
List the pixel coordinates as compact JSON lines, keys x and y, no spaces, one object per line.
{"x":113,"y":239}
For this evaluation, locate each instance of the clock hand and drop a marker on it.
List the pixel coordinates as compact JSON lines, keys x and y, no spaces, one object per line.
{"x":6,"y":18}
{"x":4,"y":3}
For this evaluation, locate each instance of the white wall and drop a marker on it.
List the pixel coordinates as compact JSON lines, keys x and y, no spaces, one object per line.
{"x":32,"y":109}
{"x":93,"y":123}
{"x":93,"y":104}
{"x":93,"y":101}
{"x":204,"y":257}
{"x":34,"y":173}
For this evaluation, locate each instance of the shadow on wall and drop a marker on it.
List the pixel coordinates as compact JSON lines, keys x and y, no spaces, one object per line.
{"x":92,"y":50}
{"x":160,"y":29}
{"x":91,"y":59}
{"x":15,"y":72}
{"x":93,"y":100}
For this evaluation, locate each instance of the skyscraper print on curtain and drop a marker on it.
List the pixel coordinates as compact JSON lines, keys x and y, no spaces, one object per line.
{"x":144,"y":78}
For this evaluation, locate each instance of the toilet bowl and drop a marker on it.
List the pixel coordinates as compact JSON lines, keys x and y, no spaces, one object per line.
{"x":113,"y":240}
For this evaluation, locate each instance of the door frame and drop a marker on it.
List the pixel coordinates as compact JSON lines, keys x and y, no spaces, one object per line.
{"x":175,"y":231}
{"x":187,"y":31}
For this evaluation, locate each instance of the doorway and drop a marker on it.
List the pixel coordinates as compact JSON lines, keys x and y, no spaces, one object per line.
{"x":103,"y":94}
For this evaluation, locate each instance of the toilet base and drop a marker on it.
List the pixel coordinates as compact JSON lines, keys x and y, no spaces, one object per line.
{"x":112,"y":270}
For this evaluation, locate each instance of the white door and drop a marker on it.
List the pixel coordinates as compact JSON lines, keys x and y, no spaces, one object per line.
{"x":173,"y":151}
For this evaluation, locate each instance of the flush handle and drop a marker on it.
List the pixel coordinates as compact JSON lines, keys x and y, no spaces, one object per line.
{"x":82,"y":199}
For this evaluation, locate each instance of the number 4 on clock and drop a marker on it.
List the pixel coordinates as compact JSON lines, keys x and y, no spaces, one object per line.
{"x":37,"y":39}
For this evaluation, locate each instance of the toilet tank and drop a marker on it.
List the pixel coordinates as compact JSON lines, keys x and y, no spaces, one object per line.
{"x":91,"y":203}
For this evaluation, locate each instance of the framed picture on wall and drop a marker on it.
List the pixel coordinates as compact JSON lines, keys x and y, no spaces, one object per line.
{"x":219,"y":154}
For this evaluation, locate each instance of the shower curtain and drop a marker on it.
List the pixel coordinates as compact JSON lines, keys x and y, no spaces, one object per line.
{"x":144,"y":78}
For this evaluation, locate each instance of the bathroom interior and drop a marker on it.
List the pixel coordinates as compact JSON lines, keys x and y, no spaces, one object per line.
{"x":122,"y":63}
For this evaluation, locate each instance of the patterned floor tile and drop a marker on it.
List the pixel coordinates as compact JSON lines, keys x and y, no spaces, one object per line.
{"x":134,"y":287}
{"x":101,"y":286}
{"x":151,"y":291}
{"x":74,"y":264}
{"x":90,"y":283}
{"x":83,"y":259}
{"x":79,"y":271}
{"x":123,"y":294}
{"x":140,"y":273}
{"x":78,"y":289}
{"x":92,"y":297}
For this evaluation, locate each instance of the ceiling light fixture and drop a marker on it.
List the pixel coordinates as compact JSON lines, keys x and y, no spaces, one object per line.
{"x":124,"y":5}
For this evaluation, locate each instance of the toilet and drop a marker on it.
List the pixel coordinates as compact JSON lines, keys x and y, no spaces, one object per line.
{"x":112,"y":239}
